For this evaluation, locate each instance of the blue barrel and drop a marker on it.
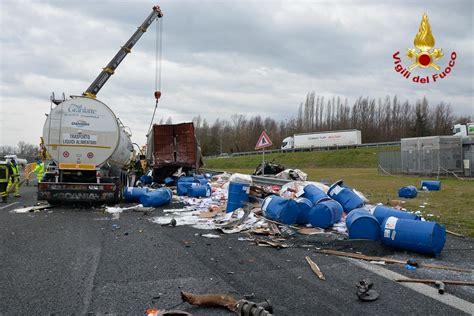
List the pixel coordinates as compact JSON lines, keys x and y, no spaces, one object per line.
{"x":407,"y":192}
{"x":169,"y":181}
{"x":238,"y":194}
{"x":146,"y":179}
{"x":431,"y":185}
{"x":199,"y":190}
{"x":325,"y":213}
{"x":304,"y":206}
{"x":280,"y":209}
{"x":183,"y":184}
{"x":132,"y":194}
{"x":156,"y":198}
{"x":345,"y":196}
{"x":362,"y":225}
{"x":381,"y":212}
{"x":314,"y":194}
{"x":417,"y":236}
{"x":200,"y":179}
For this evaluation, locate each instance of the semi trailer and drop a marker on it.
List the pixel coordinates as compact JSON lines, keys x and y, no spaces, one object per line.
{"x":323,"y":139}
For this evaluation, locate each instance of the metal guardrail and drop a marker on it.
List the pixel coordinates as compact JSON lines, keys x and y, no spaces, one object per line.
{"x":325,"y":148}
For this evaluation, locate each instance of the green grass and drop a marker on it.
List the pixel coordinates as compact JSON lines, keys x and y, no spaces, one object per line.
{"x":452,"y":206}
{"x":349,"y":158}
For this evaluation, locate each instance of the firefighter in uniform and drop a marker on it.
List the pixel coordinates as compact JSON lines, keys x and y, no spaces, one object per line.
{"x":4,"y":177}
{"x":14,"y":178}
{"x":39,"y":170}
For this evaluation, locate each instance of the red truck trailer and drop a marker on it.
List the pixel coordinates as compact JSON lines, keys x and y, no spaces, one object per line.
{"x":171,"y":147}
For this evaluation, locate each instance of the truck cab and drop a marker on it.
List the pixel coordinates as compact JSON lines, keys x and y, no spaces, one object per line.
{"x":287,"y":143}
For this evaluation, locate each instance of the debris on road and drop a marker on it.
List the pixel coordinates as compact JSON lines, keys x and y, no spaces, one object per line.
{"x":31,"y":209}
{"x":211,"y":236}
{"x":365,"y":292}
{"x":389,"y":260}
{"x":315,"y":268}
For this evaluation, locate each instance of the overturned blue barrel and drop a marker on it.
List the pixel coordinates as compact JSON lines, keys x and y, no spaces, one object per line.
{"x":325,"y":213}
{"x":407,"y":192}
{"x":362,"y":225}
{"x":304,"y":206}
{"x":133,"y":194}
{"x":183,"y":184}
{"x":381,"y":212}
{"x":156,"y":198}
{"x":146,"y":179}
{"x":345,"y":196}
{"x":431,"y":185}
{"x":200,"y":179}
{"x":280,"y":209}
{"x":238,"y":194}
{"x":313,"y":193}
{"x":169,"y":181}
{"x":418,"y":236}
{"x":199,"y":190}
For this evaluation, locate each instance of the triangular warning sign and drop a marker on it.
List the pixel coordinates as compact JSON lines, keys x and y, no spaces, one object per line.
{"x":263,"y":141}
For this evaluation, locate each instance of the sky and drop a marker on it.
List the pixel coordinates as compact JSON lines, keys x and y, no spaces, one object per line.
{"x":221,"y":58}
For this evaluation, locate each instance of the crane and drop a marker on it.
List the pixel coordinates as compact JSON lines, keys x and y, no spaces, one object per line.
{"x":109,"y":70}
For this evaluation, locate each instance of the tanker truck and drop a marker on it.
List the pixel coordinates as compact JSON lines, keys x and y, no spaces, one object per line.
{"x":87,"y":148}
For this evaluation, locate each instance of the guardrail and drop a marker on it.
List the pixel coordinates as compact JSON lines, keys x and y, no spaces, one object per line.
{"x":325,"y":148}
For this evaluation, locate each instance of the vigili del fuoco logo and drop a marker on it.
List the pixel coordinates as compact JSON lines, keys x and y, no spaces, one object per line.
{"x":423,"y":56}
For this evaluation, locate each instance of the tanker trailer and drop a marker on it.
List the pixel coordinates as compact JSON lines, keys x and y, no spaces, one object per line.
{"x":90,"y":152}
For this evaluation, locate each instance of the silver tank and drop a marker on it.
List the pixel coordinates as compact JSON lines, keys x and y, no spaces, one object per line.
{"x":85,"y":131}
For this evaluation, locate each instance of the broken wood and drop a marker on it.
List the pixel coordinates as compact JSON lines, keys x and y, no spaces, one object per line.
{"x":315,"y":268}
{"x":222,"y":300}
{"x":429,"y":281}
{"x":387,"y":260}
{"x":274,"y":244}
{"x":275,"y":222}
{"x":455,"y":234}
{"x":310,"y":231}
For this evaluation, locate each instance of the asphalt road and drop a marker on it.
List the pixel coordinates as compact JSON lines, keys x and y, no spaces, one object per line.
{"x":71,"y":260}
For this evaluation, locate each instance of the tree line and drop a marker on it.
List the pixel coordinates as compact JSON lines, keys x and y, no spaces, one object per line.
{"x":379,"y":120}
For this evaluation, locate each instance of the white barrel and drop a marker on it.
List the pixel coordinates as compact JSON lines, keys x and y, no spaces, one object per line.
{"x":82,"y":130}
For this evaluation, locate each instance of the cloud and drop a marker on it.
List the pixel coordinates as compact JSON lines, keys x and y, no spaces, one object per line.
{"x":222,"y":57}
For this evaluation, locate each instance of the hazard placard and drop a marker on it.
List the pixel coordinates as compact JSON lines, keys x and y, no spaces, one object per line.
{"x":263,"y":141}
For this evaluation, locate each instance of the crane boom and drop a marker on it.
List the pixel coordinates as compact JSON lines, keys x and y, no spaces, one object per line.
{"x":108,"y":71}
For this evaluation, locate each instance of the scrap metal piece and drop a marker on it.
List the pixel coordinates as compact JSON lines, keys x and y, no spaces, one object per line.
{"x":247,"y":308}
{"x":365,"y":292}
{"x":440,"y":285}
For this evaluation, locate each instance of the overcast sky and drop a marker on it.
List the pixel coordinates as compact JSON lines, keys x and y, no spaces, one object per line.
{"x":222,"y":57}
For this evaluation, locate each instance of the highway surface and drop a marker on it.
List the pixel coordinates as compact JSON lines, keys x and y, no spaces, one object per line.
{"x":77,"y":260}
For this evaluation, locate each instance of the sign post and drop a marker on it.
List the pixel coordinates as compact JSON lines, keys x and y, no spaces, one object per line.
{"x":263,"y":141}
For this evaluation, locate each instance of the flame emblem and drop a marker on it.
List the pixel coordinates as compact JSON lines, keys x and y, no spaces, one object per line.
{"x":424,"y":55}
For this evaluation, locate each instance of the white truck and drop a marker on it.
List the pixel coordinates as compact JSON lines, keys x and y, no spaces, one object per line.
{"x":323,"y":139}
{"x":464,"y":130}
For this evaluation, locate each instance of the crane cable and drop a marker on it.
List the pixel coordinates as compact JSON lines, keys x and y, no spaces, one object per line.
{"x":158,"y":59}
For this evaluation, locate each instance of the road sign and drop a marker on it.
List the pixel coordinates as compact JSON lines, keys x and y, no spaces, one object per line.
{"x":263,"y":141}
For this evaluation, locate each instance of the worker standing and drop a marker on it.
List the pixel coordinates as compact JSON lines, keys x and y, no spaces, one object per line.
{"x":4,"y":177}
{"x":14,"y":178}
{"x":39,"y":169}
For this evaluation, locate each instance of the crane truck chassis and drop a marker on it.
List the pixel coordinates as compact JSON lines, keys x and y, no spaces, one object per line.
{"x":89,"y":150}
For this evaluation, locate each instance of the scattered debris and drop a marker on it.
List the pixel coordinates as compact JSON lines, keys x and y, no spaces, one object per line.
{"x":315,"y":268}
{"x":211,"y":236}
{"x":389,"y":260}
{"x":454,"y":234}
{"x":269,"y":243}
{"x":241,"y":307}
{"x":311,"y":231}
{"x":365,"y":292}
{"x":440,"y":284}
{"x":31,"y":209}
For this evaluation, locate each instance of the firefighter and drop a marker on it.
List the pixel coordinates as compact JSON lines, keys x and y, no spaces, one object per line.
{"x":4,"y":176}
{"x":39,"y":169}
{"x":14,"y":178}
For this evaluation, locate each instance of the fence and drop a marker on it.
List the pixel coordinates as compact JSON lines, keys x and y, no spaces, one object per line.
{"x":285,"y":151}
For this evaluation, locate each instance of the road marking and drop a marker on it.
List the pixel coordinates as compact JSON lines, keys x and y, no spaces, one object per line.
{"x":1,"y":208}
{"x":421,"y":288}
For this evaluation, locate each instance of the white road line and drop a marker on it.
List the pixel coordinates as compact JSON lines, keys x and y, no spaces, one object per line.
{"x":421,"y":288}
{"x":1,"y":208}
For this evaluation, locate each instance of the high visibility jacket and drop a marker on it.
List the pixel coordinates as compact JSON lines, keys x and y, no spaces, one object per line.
{"x":14,"y":168}
{"x":4,"y":173}
{"x":39,"y":170}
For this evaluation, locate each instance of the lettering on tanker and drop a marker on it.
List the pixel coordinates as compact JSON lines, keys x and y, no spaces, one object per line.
{"x":79,"y":139}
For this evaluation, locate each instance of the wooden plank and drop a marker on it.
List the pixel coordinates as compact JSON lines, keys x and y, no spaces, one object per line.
{"x":315,"y":268}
